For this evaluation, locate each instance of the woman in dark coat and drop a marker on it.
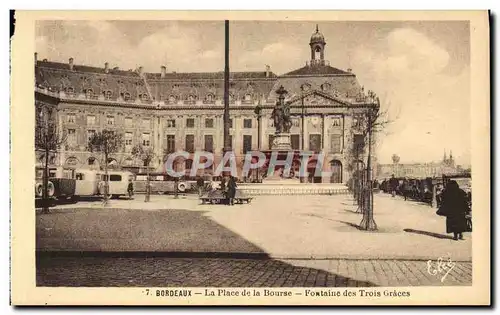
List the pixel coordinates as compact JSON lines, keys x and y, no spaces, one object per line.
{"x":231,"y":190}
{"x":455,"y":207}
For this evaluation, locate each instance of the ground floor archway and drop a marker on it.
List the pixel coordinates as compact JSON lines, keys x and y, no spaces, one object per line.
{"x":336,"y":169}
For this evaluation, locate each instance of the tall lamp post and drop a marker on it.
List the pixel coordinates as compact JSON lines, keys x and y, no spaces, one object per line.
{"x":227,"y":145}
{"x":302,"y":131}
{"x":258,"y":112}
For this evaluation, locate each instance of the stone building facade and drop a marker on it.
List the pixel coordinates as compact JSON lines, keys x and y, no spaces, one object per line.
{"x":172,"y":111}
{"x":447,"y":166}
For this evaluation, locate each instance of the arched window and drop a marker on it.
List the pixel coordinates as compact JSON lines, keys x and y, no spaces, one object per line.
{"x":325,"y":87}
{"x":317,"y":53}
{"x":70,"y":90}
{"x":91,"y":161}
{"x":210,"y":98}
{"x":89,"y":93}
{"x":248,"y":97}
{"x":172,"y":99}
{"x":144,"y":97}
{"x":108,"y":94}
{"x":126,"y":96}
{"x":192,"y":98}
{"x":305,"y":87}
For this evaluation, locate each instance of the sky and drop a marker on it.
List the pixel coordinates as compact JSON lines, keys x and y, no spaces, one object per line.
{"x":419,"y":69}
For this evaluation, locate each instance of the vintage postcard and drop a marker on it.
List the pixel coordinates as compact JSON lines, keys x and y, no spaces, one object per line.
{"x":250,"y":158}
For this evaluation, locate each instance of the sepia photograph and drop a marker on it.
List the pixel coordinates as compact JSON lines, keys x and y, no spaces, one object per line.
{"x":211,"y":158}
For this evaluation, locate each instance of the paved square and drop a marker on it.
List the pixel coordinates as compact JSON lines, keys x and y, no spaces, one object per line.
{"x":282,"y":241}
{"x":300,"y":227}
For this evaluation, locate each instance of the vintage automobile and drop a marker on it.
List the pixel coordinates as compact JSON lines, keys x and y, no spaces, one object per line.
{"x":217,"y":196}
{"x":61,"y":183}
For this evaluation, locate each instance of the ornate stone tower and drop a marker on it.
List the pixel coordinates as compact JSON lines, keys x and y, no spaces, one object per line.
{"x":317,"y":44}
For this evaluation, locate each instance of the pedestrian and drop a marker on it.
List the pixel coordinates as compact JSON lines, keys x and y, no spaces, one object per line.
{"x":199,"y":184}
{"x":455,"y":207}
{"x":404,"y":188}
{"x":231,"y":190}
{"x":393,"y":183}
{"x":130,"y":189}
{"x":223,"y":184}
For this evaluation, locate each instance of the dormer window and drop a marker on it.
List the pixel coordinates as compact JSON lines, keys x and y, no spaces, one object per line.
{"x":325,"y":87}
{"x":70,"y":90}
{"x":143,"y":97}
{"x":172,"y":99}
{"x":89,"y":93}
{"x":192,"y":98}
{"x":126,"y":96}
{"x":248,"y":97}
{"x":231,"y":97}
{"x":108,"y":95}
{"x":210,"y":98}
{"x":305,"y":87}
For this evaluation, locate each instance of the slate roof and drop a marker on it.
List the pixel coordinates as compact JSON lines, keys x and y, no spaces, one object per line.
{"x":317,"y":70}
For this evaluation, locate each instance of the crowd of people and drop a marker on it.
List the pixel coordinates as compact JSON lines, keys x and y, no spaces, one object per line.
{"x":413,"y":189}
{"x":452,"y":202}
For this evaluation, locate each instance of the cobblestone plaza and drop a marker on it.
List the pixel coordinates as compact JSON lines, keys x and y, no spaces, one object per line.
{"x":181,"y":242}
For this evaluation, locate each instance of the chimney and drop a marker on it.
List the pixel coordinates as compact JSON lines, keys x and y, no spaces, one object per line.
{"x":268,"y":70}
{"x":71,"y":63}
{"x":106,"y":67}
{"x":163,"y":71}
{"x":139,"y":70}
{"x":36,"y":58}
{"x":349,"y":70}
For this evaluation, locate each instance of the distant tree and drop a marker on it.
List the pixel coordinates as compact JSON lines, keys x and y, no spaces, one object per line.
{"x":105,"y":142}
{"x":146,"y":155}
{"x":48,"y":139}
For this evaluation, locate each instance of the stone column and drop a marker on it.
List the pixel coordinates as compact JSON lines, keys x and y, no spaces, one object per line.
{"x":306,"y":135}
{"x":159,"y":139}
{"x":323,"y":133}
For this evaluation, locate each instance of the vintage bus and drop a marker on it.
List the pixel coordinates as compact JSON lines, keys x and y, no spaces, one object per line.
{"x":91,"y":183}
{"x":161,"y":183}
{"x":118,"y":183}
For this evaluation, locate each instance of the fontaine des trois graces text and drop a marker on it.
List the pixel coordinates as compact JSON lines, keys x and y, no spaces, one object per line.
{"x":252,"y":292}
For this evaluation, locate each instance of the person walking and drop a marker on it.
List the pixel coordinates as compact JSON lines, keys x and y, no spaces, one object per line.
{"x":393,"y":183}
{"x":455,"y":207}
{"x":130,"y":189}
{"x":404,"y":188}
{"x":231,"y":190}
{"x":200,"y":183}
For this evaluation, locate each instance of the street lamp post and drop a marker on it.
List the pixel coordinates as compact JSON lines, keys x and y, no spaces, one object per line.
{"x":258,"y":112}
{"x":227,"y":145}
